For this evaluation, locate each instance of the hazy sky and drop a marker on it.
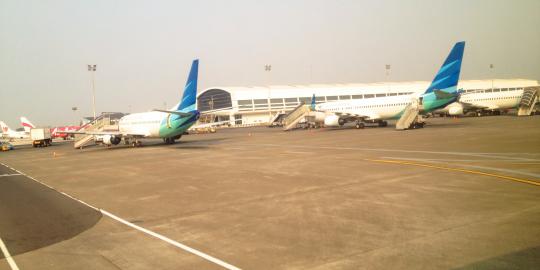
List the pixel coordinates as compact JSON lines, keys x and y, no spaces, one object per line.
{"x":143,"y":49}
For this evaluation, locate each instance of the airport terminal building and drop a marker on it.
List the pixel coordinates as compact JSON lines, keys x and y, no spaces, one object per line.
{"x":257,"y":105}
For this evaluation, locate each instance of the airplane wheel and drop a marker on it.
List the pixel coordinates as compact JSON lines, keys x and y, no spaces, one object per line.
{"x":360,"y":125}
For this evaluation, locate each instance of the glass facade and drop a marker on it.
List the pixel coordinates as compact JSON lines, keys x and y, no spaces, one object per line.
{"x":214,"y":99}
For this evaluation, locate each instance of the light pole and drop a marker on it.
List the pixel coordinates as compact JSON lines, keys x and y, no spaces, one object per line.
{"x":74,"y":109}
{"x":388,"y":67}
{"x":491,"y":66}
{"x":92,"y":69}
{"x":268,"y":68}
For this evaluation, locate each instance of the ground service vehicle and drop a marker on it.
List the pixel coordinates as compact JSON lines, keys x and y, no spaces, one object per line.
{"x":40,"y":137}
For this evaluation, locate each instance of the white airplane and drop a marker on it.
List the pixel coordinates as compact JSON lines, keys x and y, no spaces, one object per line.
{"x":483,"y":101}
{"x":441,"y":92}
{"x":8,"y":133}
{"x":27,"y":125}
{"x":168,"y":125}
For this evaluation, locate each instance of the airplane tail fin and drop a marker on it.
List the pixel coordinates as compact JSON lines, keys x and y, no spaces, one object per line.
{"x":189,"y":97}
{"x":27,"y":125}
{"x":313,"y":102}
{"x":448,"y":75}
{"x":4,"y":127}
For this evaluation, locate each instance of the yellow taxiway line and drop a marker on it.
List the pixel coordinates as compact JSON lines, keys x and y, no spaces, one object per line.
{"x":509,"y":178}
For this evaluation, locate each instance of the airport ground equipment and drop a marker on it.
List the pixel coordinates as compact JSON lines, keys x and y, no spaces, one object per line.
{"x":40,"y":137}
{"x":101,"y":123}
{"x":411,"y":118}
{"x":6,"y":146}
{"x":295,"y":116}
{"x":528,"y":101}
{"x":277,"y":120}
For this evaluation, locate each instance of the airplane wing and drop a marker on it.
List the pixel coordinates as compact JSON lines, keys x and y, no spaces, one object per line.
{"x":183,"y":114}
{"x":470,"y":106}
{"x":208,"y":125}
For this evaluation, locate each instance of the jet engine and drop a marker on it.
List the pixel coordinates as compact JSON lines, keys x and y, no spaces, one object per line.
{"x":333,"y":121}
{"x":111,"y":140}
{"x":455,"y":109}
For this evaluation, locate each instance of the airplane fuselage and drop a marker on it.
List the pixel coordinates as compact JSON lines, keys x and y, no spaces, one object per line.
{"x":496,"y":99}
{"x":156,"y":124}
{"x":383,"y":108}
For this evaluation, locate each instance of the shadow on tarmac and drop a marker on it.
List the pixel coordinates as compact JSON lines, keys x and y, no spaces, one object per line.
{"x":33,"y":216}
{"x":523,"y":259}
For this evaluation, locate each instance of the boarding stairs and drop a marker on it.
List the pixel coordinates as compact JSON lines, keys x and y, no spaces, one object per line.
{"x":295,"y":116}
{"x":528,"y":100}
{"x":277,"y":119}
{"x":101,"y":123}
{"x":411,"y":117}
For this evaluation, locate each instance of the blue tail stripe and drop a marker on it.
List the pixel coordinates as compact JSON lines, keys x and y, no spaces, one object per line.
{"x":448,"y":74}
{"x":190,"y":90}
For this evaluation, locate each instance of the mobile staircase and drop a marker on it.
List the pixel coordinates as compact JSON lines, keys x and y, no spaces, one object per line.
{"x":277,"y":120}
{"x":411,"y":117}
{"x":528,"y":101}
{"x":295,"y":116}
{"x":101,"y":123}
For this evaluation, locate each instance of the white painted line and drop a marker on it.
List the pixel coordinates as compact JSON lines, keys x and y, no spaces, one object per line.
{"x":7,"y":175}
{"x":9,"y":259}
{"x":141,"y":229}
{"x":172,"y":242}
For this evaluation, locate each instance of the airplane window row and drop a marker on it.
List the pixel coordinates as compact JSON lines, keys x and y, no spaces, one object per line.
{"x":492,"y":90}
{"x":497,"y":98}
{"x":369,"y":106}
{"x":139,"y":122}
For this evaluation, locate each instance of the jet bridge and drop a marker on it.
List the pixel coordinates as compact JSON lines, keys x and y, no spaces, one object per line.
{"x":528,"y":101}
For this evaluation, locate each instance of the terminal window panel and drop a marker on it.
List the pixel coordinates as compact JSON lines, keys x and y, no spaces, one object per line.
{"x":260,"y":101}
{"x":331,"y":98}
{"x":344,"y":97}
{"x":276,"y":101}
{"x":291,"y":101}
{"x":380,"y":95}
{"x":357,"y":96}
{"x":306,"y":100}
{"x":319,"y":99}
{"x":369,"y":96}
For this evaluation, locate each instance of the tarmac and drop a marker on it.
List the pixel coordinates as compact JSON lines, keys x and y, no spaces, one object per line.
{"x":461,"y":193}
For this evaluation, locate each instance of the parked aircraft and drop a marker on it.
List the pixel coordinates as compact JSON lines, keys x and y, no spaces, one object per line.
{"x":168,"y":125}
{"x":485,"y":101}
{"x":27,"y":125}
{"x":441,"y":92}
{"x":8,"y":133}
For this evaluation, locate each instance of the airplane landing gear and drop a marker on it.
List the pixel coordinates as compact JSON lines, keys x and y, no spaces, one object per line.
{"x":136,"y":143}
{"x":360,"y":125}
{"x":169,"y":140}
